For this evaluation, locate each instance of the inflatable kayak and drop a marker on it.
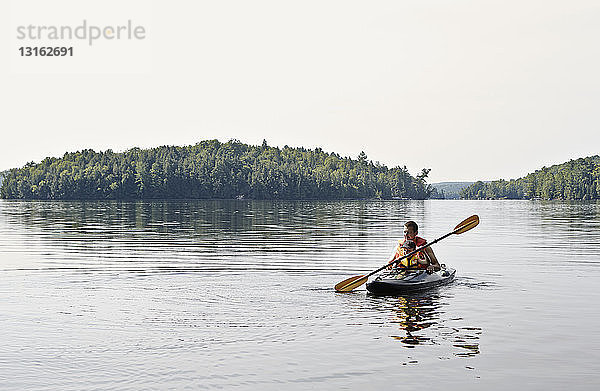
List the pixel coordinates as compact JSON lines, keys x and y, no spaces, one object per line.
{"x":407,"y":281}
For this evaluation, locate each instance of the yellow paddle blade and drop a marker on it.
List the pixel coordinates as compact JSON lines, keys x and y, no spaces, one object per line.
{"x":466,"y":224}
{"x":350,"y":283}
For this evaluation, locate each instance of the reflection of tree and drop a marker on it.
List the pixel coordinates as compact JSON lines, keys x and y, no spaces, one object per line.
{"x":192,"y":235}
{"x":421,"y":319}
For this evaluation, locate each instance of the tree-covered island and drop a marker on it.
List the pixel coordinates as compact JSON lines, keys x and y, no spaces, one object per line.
{"x":574,"y":180}
{"x":211,"y":169}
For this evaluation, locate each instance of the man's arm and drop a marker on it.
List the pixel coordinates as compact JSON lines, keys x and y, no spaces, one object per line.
{"x":434,"y":265}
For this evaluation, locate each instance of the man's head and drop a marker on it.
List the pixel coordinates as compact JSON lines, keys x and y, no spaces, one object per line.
{"x":410,"y":230}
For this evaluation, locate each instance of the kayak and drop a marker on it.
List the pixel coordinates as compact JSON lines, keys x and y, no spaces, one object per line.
{"x":407,"y":281}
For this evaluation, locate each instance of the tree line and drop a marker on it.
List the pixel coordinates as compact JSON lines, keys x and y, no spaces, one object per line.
{"x":212,"y":170}
{"x":574,"y":180}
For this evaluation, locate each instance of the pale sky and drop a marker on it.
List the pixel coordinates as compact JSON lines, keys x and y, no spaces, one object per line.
{"x":471,"y":89}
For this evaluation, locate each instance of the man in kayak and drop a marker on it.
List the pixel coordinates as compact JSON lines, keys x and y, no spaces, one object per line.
{"x":424,"y":259}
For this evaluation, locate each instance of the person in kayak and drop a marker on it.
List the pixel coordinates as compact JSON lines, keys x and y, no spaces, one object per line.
{"x":424,"y":259}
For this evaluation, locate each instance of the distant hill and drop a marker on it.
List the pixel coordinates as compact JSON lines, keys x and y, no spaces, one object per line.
{"x":212,"y":170}
{"x":449,"y":190}
{"x":574,"y":180}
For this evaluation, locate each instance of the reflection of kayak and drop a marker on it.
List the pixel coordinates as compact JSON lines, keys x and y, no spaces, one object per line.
{"x":398,"y":282}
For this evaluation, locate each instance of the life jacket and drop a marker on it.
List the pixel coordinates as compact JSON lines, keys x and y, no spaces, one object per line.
{"x":412,"y":261}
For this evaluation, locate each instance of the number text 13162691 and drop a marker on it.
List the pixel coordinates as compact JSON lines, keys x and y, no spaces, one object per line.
{"x":47,"y":51}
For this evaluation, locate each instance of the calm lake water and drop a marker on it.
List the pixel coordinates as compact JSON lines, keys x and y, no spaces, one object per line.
{"x":239,"y":295}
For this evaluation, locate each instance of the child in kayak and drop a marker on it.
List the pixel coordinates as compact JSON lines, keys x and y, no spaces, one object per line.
{"x":424,"y":259}
{"x":404,"y":249}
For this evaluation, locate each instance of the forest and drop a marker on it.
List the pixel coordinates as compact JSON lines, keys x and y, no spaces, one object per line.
{"x":212,"y":170}
{"x":574,"y":180}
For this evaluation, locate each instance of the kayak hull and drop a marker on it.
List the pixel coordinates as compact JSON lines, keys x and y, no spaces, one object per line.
{"x":408,"y":282}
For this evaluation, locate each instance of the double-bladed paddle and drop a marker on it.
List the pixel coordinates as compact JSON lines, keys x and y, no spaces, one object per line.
{"x":356,"y":281}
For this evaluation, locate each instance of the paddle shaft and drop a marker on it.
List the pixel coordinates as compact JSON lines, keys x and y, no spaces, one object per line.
{"x":411,"y":253}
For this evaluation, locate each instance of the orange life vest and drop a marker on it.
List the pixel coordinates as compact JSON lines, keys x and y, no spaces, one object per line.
{"x":412,"y":261}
